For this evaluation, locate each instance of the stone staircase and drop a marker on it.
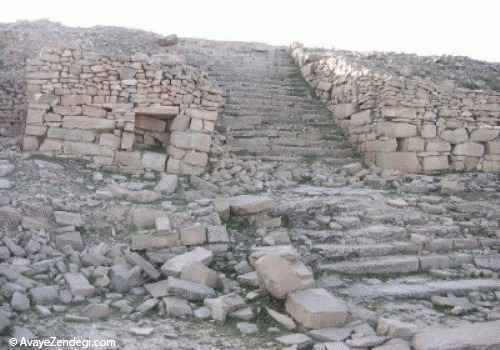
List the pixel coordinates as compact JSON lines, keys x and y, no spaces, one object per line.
{"x":269,"y":111}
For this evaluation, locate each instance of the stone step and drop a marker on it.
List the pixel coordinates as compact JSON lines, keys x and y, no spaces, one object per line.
{"x":421,"y":290}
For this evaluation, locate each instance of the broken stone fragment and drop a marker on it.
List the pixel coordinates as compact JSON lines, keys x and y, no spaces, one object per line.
{"x":78,"y":284}
{"x":96,"y":311}
{"x":74,"y":239}
{"x":177,"y":307}
{"x":199,"y":273}
{"x":123,"y":279}
{"x":247,"y":204}
{"x":189,"y":290}
{"x":174,"y":266}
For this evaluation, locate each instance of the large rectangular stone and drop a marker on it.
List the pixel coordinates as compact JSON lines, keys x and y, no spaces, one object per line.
{"x":154,"y":161}
{"x":201,"y":114}
{"x":145,"y":122}
{"x":471,"y":149}
{"x":81,"y":148}
{"x":405,"y":162}
{"x":174,"y":266}
{"x":92,"y":111}
{"x":248,"y":204}
{"x":316,"y":308}
{"x":146,"y":266}
{"x":435,"y":163}
{"x":153,"y":241}
{"x":75,"y":100}
{"x":43,"y":75}
{"x":167,"y":111}
{"x":343,"y":110}
{"x":480,"y":335}
{"x":399,"y":112}
{"x":71,"y":134}
{"x":78,"y":284}
{"x":361,"y":118}
{"x":87,"y":123}
{"x":191,"y":140}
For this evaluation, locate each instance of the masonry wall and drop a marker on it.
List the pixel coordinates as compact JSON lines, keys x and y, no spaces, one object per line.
{"x":113,"y":110}
{"x":12,"y":101}
{"x":402,"y":125}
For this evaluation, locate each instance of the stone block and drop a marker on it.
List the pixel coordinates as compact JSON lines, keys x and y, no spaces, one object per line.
{"x":199,"y":159}
{"x":71,"y":134}
{"x":96,"y":311}
{"x":435,"y":163}
{"x":137,"y":260}
{"x":42,"y":75}
{"x":154,"y":161}
{"x":35,"y":130}
{"x":189,"y":290}
{"x":471,"y":149}
{"x":78,"y":284}
{"x":51,"y":145}
{"x":35,"y":117}
{"x":361,"y":118}
{"x":30,"y":143}
{"x":145,"y":122}
{"x":484,"y":134}
{"x":316,"y":308}
{"x":132,"y":159}
{"x":405,"y":162}
{"x":201,"y":114}
{"x":454,"y":136}
{"x":399,"y":112}
{"x":126,"y":73}
{"x":177,"y":307}
{"x":153,"y":241}
{"x":217,"y":234}
{"x":68,"y":110}
{"x":81,"y":148}
{"x":461,"y":337}
{"x":248,"y":204}
{"x":161,"y":111}
{"x":276,"y":276}
{"x":44,"y":294}
{"x":75,"y":100}
{"x":343,"y":110}
{"x":110,"y":140}
{"x":222,"y":207}
{"x":437,"y":146}
{"x":199,"y":273}
{"x":92,"y":111}
{"x":180,"y":123}
{"x":175,"y":265}
{"x":174,"y":166}
{"x":74,"y":239}
{"x":66,"y":218}
{"x":9,"y":217}
{"x":193,"y":235}
{"x":88,"y":123}
{"x":414,"y":144}
{"x":428,"y":131}
{"x":392,"y":129}
{"x":493,"y":147}
{"x":196,"y":125}
{"x":123,"y":279}
{"x":167,"y":184}
{"x":128,"y":139}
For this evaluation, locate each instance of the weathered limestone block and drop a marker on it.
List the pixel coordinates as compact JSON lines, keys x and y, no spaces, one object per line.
{"x":343,"y":110}
{"x":149,"y":123}
{"x":491,"y":166}
{"x":175,"y":265}
{"x":437,"y":146}
{"x":154,"y":161}
{"x":35,"y":130}
{"x":153,"y":241}
{"x":35,"y":116}
{"x":405,"y":162}
{"x":126,"y":73}
{"x":132,"y":159}
{"x":167,"y":184}
{"x":484,"y":134}
{"x":92,"y":111}
{"x":193,"y":235}
{"x":30,"y":143}
{"x":81,"y":148}
{"x":472,"y":149}
{"x":222,"y":207}
{"x":68,"y":110}
{"x":110,"y":140}
{"x":361,"y":118}
{"x":43,"y":75}
{"x":392,"y":129}
{"x":248,"y":204}
{"x":71,"y":134}
{"x":51,"y":145}
{"x":166,"y":111}
{"x":194,"y":140}
{"x":201,"y":114}
{"x":316,"y":308}
{"x":199,"y":273}
{"x":88,"y":123}
{"x":399,"y":112}
{"x":78,"y":284}
{"x":174,"y":166}
{"x":180,"y":123}
{"x":414,"y":144}
{"x":435,"y":163}
{"x":128,"y":139}
{"x":76,"y":100}
{"x":454,"y":136}
{"x":199,"y":159}
{"x":276,"y":276}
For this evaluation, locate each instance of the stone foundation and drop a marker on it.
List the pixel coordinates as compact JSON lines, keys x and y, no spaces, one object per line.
{"x":406,"y":124}
{"x":131,"y":113}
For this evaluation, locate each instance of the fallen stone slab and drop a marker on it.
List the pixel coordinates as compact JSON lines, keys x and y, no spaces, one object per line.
{"x":393,"y":264}
{"x":153,"y":241}
{"x":316,"y":308}
{"x":66,"y":218}
{"x":199,"y":273}
{"x":247,"y":204}
{"x":173,"y":267}
{"x":481,"y":335}
{"x":189,"y":290}
{"x":123,"y":279}
{"x":96,"y":310}
{"x":78,"y":284}
{"x":287,"y":252}
{"x":330,"y":334}
{"x":396,"y":329}
{"x":282,"y":318}
{"x":44,"y":294}
{"x":394,"y":344}
{"x":146,"y":266}
{"x":300,"y":341}
{"x":74,"y":239}
{"x":157,"y":289}
{"x":177,"y":307}
{"x":167,"y":184}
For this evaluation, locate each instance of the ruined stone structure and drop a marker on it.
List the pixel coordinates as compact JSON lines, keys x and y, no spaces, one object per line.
{"x":113,"y":109}
{"x":405,"y":124}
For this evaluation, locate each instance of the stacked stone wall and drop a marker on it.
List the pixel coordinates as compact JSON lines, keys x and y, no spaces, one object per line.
{"x":403,"y":124}
{"x":111,"y":109}
{"x":12,"y":102}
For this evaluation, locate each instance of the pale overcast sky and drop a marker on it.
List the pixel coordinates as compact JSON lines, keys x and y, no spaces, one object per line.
{"x":468,"y":28}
